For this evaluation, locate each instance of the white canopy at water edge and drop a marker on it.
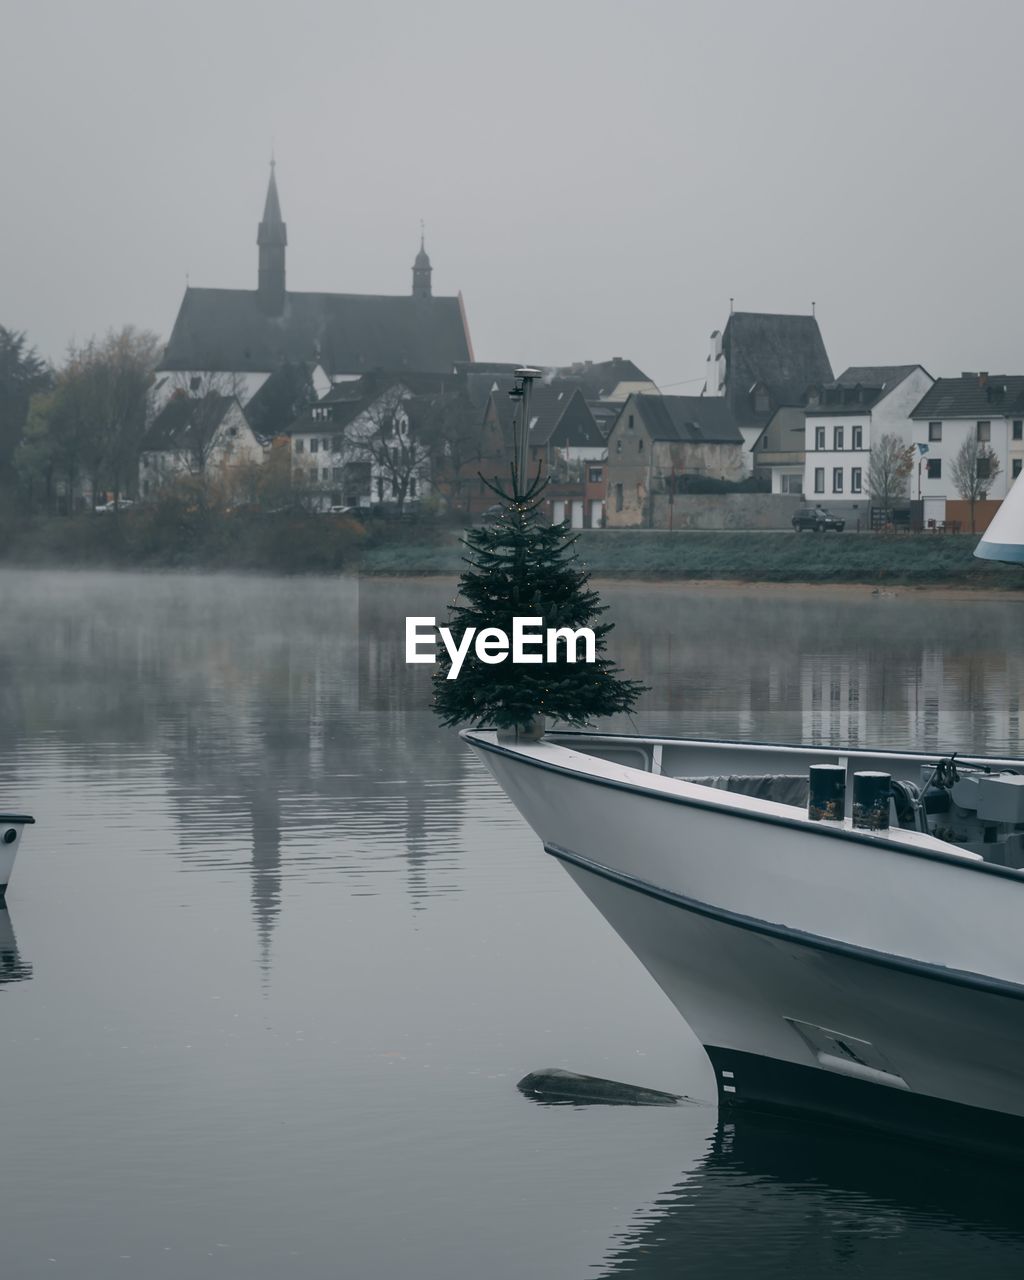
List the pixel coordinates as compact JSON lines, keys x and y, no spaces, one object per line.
{"x":1004,"y":538}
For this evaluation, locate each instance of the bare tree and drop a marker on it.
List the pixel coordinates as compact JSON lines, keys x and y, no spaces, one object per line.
{"x":975,"y":467}
{"x":449,"y":427}
{"x":205,"y":393}
{"x":892,"y":461}
{"x":386,"y":434}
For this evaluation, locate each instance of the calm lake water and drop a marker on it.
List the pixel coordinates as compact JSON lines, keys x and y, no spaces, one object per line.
{"x":278,"y":949}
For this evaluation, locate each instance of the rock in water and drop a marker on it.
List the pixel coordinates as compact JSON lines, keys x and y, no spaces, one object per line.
{"x":555,"y":1085}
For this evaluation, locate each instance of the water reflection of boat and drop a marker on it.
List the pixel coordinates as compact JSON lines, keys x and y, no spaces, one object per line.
{"x":777,"y":1200}
{"x":12,"y":825}
{"x":874,"y":976}
{"x":12,"y":967}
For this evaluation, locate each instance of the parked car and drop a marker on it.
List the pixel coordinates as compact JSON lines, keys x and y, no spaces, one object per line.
{"x":818,"y":519}
{"x":122,"y":505}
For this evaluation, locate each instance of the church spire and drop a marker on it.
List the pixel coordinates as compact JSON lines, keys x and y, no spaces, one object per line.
{"x":272,"y":238}
{"x":421,"y":271}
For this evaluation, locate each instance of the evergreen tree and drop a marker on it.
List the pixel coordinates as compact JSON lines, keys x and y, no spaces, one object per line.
{"x":519,"y":566}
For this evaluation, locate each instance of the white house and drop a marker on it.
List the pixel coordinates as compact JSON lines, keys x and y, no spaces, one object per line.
{"x":208,"y":436}
{"x":844,"y":419}
{"x":987,"y":408}
{"x":340,"y":446}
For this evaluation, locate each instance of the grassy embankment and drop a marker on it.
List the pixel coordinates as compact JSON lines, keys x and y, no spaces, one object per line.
{"x":909,"y":560}
{"x":175,"y":537}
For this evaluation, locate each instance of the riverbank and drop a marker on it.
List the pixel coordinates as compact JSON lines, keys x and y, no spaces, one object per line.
{"x":748,"y":556}
{"x":296,"y":542}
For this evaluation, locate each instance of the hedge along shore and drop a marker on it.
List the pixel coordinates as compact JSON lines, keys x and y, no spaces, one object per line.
{"x":871,"y":559}
{"x":293,"y":542}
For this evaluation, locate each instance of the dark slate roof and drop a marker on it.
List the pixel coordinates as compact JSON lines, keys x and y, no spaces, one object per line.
{"x":688,"y":418}
{"x":558,"y":411}
{"x":973,"y":395}
{"x":786,"y":354}
{"x":604,"y":413}
{"x":857,"y":389}
{"x":600,"y":378}
{"x":345,"y":332}
{"x":172,"y":426}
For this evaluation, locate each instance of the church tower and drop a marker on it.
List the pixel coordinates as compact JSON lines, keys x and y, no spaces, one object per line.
{"x":421,"y":270}
{"x":272,"y":238}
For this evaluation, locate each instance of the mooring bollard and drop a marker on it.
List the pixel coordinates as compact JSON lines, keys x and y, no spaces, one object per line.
{"x":871,"y":795}
{"x":826,"y":792}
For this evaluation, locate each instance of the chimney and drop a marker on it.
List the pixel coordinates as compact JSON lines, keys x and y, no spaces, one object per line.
{"x":983,"y":378}
{"x":968,"y":375}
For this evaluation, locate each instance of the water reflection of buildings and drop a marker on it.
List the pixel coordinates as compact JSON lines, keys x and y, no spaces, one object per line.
{"x":237,"y":702}
{"x":845,"y":668}
{"x":779,"y":1200}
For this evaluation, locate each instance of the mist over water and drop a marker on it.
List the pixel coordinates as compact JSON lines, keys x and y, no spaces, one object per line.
{"x":278,"y":949}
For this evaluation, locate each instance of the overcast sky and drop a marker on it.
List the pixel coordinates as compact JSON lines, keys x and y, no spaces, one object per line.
{"x":597,"y":178}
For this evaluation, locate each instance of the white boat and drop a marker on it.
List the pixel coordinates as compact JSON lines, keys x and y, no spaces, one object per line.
{"x":12,"y":826}
{"x":875,"y":976}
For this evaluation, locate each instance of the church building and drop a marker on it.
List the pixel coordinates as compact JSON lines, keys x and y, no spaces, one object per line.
{"x":238,"y":337}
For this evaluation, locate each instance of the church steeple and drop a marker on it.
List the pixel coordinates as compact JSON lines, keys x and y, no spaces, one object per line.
{"x":272,"y":238}
{"x":421,"y":270}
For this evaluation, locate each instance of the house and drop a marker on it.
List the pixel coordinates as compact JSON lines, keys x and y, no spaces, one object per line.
{"x":845,"y":419}
{"x":564,"y":444}
{"x":657,"y":440}
{"x":248,"y":333}
{"x":761,"y":363}
{"x":208,"y":437}
{"x":779,"y":452}
{"x":987,"y":408}
{"x":366,"y":444}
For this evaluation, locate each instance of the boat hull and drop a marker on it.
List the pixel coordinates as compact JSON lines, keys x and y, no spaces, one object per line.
{"x":788,"y":1025}
{"x":836,"y":974}
{"x":12,"y":828}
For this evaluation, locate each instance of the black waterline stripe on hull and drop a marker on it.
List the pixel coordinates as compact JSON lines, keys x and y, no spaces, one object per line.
{"x":813,"y":941}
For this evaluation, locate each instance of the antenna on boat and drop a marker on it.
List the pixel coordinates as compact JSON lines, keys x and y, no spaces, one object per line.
{"x":521,"y":391}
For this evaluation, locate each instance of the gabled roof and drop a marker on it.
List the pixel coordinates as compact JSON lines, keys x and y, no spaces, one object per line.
{"x":781,"y":353}
{"x":344,"y":332}
{"x":553,"y":404}
{"x":858,"y":389}
{"x":693,"y":419}
{"x":973,"y":395}
{"x":174,"y":427}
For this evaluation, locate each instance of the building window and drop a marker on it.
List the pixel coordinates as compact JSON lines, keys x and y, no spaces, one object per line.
{"x":819,"y":438}
{"x":837,"y":437}
{"x":298,"y":444}
{"x":640,"y":445}
{"x":314,"y":444}
{"x":336,"y":444}
{"x":337,"y":474}
{"x":1015,"y":467}
{"x":618,"y":497}
{"x":595,"y":475}
{"x":857,"y":434}
{"x":325,"y":475}
{"x":855,"y":476}
{"x":984,"y":432}
{"x":819,"y":479}
{"x":933,"y":468}
{"x":380,"y":488}
{"x":984,"y":468}
{"x":618,"y":446}
{"x":412,"y":486}
{"x":1018,"y":429}
{"x":837,"y":479}
{"x":325,"y":445}
{"x":791,"y":484}
{"x":934,"y":430}
{"x":629,"y":422}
